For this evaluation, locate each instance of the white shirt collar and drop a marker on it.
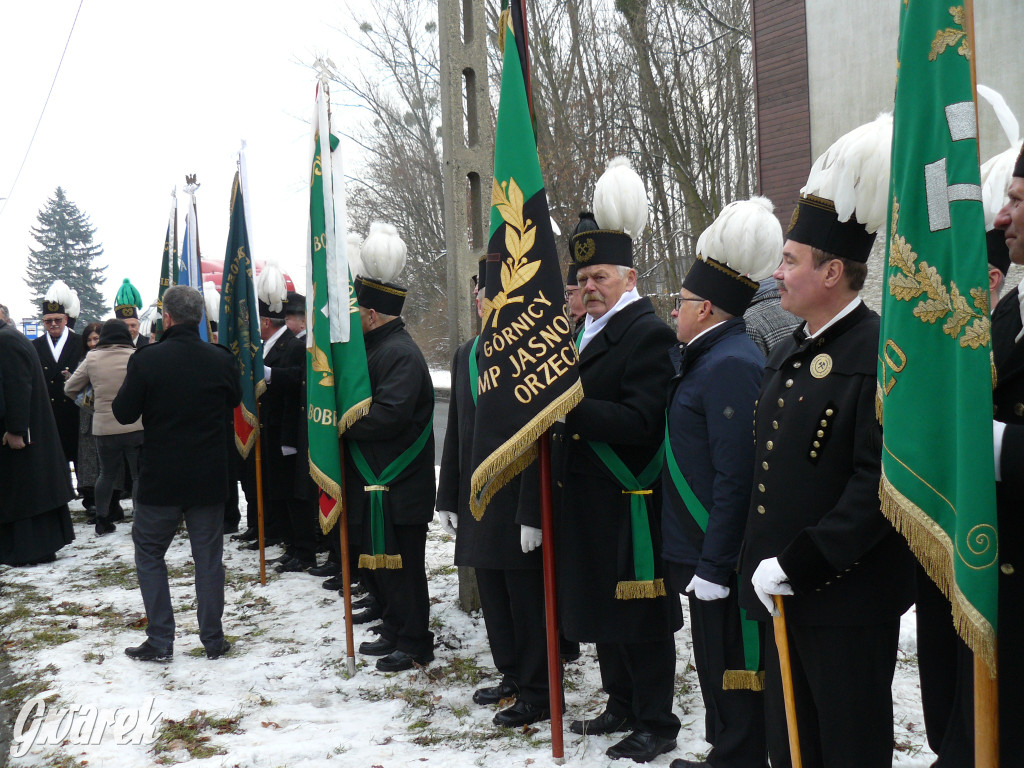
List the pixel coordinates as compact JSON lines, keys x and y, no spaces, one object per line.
{"x":269,"y":343}
{"x":704,"y":332}
{"x":58,"y":347}
{"x":593,"y":327}
{"x":1020,"y":300}
{"x":842,"y":313}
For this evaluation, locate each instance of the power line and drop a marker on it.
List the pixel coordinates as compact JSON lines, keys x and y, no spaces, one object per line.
{"x":43,"y":112}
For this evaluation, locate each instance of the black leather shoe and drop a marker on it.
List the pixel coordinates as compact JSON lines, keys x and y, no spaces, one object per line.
{"x":230,"y":528}
{"x":367,"y":615}
{"x":218,"y":651}
{"x":494,"y":694}
{"x":521,"y":713}
{"x":254,"y":546}
{"x":379,"y":647}
{"x":641,"y":747}
{"x":292,"y":565}
{"x":334,"y":583}
{"x":366,"y":601}
{"x":681,"y":762}
{"x":147,"y":652}
{"x":603,"y":723}
{"x":104,"y":526}
{"x":249,"y":534}
{"x":400,"y":660}
{"x":327,"y":569}
{"x":280,"y":558}
{"x":357,"y":589}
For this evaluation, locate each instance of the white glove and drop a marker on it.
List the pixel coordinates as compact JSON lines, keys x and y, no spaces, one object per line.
{"x":530,"y":538}
{"x":769,"y":579}
{"x":449,"y":521}
{"x":706,"y":590}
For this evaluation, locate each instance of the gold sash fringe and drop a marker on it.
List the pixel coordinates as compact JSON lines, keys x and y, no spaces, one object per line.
{"x":634,"y":590}
{"x":742,"y":680}
{"x":373,"y":562}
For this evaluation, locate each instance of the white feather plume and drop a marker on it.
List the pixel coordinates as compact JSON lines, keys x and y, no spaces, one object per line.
{"x":854,"y":173}
{"x":212,"y":299}
{"x":383,"y":253}
{"x":353,"y":247}
{"x":997,"y":171}
{"x":271,"y":287}
{"x":620,"y":199}
{"x":61,"y":293}
{"x":75,"y":307}
{"x":746,"y":236}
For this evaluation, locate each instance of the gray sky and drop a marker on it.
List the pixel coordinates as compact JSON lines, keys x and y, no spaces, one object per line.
{"x":147,"y":93}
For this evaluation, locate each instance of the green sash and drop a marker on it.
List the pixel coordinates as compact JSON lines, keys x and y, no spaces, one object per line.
{"x":377,"y":486}
{"x":643,"y":583}
{"x":579,"y":336}
{"x":749,"y":677}
{"x":474,"y":371}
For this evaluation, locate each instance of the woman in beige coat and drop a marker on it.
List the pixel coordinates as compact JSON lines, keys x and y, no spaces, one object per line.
{"x":105,"y":367}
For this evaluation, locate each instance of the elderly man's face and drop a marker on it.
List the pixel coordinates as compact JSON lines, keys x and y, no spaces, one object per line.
{"x":602,"y":287}
{"x":55,"y":323}
{"x":133,"y":326}
{"x":1011,"y":219}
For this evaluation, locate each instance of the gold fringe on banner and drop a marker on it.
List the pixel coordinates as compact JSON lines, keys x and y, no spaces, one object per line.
{"x":637,"y":590}
{"x":250,"y":418}
{"x":354,"y":414}
{"x":332,"y":489}
{"x":742,"y":680}
{"x":879,"y":402}
{"x":933,"y":549}
{"x":518,"y":452}
{"x":504,"y":22}
{"x":373,"y":562}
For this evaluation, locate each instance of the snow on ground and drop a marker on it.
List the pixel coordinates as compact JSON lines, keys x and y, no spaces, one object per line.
{"x":441,"y":379}
{"x":282,"y":697}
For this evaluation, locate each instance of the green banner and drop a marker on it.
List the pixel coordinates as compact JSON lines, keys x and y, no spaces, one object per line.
{"x":168,"y":269}
{"x":934,"y":370}
{"x":240,"y":327}
{"x":337,"y":382}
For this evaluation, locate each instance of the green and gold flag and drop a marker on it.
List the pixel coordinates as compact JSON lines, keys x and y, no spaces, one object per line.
{"x":934,"y":370}
{"x":337,"y":381}
{"x":239,"y":329}
{"x":528,"y":376}
{"x":168,"y":264}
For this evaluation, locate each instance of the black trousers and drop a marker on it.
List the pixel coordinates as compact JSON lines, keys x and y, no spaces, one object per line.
{"x":303,"y":525}
{"x":404,"y":596}
{"x":639,"y":679}
{"x":734,"y":719}
{"x":842,"y":681}
{"x":513,"y":606}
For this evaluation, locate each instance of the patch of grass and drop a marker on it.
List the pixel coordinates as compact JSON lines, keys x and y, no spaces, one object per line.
{"x":111,"y":575}
{"x":193,"y":735}
{"x":17,"y":694}
{"x":460,"y":670}
{"x":47,"y":637}
{"x":186,"y":571}
{"x":442,"y":570}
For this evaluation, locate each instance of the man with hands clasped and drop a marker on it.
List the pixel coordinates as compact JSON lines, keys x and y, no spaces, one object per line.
{"x":709,"y":462}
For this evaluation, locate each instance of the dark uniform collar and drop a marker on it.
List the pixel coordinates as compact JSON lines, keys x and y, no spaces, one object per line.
{"x":690,"y":352}
{"x":375,"y":336}
{"x":840,"y":327}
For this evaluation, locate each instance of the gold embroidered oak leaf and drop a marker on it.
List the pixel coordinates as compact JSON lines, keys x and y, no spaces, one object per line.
{"x":901,"y":255}
{"x":904,"y":287}
{"x":981,"y":298}
{"x":931,"y":310}
{"x":958,"y":14}
{"x":519,"y":276}
{"x":962,"y":313}
{"x":510,"y":205}
{"x":977,"y":335}
{"x":322,"y":365}
{"x":930,"y":280}
{"x":948,"y":37}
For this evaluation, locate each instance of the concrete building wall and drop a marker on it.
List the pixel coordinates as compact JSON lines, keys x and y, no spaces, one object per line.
{"x":851,"y":63}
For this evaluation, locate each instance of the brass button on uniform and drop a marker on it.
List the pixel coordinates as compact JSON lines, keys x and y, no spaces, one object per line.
{"x":559,"y":483}
{"x":781,"y":402}
{"x":1006,"y":568}
{"x":1019,"y":409}
{"x":575,"y":437}
{"x":797,"y":364}
{"x":760,"y":487}
{"x":764,"y":465}
{"x":769,"y":445}
{"x":775,"y":425}
{"x":829,"y":412}
{"x":821,"y":433}
{"x":824,"y":423}
{"x":789,"y":383}
{"x":817,"y":444}
{"x":814,"y":454}
{"x":760,"y":508}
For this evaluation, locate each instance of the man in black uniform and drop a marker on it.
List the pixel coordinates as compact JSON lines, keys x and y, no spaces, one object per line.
{"x":606,"y":468}
{"x":502,"y":550}
{"x":389,"y":465}
{"x":815,"y":530}
{"x":59,"y":351}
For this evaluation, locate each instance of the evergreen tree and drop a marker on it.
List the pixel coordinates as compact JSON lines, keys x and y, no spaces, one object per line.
{"x":67,"y":253}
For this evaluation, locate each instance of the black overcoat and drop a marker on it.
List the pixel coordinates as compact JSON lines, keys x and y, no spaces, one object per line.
{"x":35,"y":479}
{"x":183,"y":388}
{"x":494,"y":540}
{"x":403,"y":406}
{"x":65,"y":412}
{"x":625,"y":371}
{"x":817,"y":467}
{"x":287,"y":359}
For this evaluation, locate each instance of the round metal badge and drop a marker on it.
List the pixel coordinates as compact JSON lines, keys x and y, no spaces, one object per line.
{"x":821,"y":365}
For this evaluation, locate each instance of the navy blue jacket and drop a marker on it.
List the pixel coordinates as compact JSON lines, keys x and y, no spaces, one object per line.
{"x":710,"y":413}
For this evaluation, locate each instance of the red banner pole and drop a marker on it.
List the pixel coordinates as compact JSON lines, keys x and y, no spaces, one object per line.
{"x":550,"y":598}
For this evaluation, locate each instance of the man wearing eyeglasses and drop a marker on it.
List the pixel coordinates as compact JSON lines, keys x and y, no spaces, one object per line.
{"x":59,"y":351}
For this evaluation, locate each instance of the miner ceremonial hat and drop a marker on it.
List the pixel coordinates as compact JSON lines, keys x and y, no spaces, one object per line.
{"x":845,"y":199}
{"x":620,"y":215}
{"x":481,"y":273}
{"x":742,"y":246}
{"x":998,"y":253}
{"x":271,"y":291}
{"x":296,"y":304}
{"x":1018,"y":167}
{"x":127,"y":302}
{"x":383,"y":255}
{"x":58,"y":299}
